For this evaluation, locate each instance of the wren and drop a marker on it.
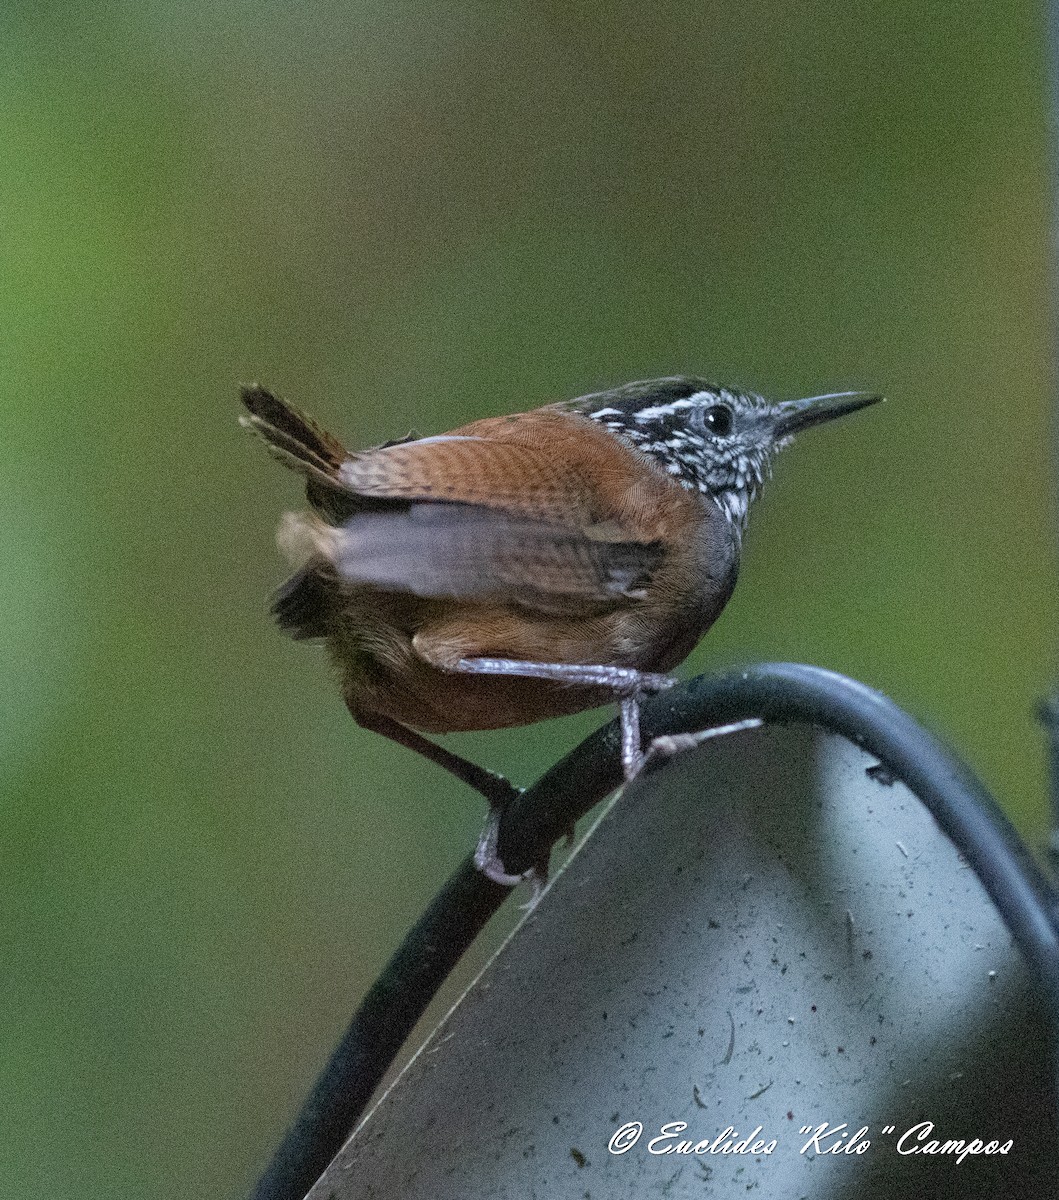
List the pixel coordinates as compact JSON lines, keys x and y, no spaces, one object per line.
{"x":525,"y":566}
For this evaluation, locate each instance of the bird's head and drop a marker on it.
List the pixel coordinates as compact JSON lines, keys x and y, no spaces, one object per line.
{"x":713,"y":439}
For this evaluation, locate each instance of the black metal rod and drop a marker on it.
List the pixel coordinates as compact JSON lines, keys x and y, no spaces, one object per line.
{"x":1050,"y":708}
{"x":778,"y":693}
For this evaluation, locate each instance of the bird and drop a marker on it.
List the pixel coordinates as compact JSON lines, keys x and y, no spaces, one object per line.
{"x":525,"y":566}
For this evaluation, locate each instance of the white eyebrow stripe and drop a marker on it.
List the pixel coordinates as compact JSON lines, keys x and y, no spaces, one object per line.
{"x":607,"y":412}
{"x":664,"y":410}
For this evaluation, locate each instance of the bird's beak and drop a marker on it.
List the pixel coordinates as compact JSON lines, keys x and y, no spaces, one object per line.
{"x":792,"y":416}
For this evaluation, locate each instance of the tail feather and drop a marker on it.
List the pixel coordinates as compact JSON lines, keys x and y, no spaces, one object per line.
{"x":303,"y":605}
{"x":291,"y":453}
{"x":299,"y":443}
{"x":282,"y":424}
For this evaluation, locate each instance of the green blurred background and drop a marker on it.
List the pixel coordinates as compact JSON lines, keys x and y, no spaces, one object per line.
{"x":409,"y":215}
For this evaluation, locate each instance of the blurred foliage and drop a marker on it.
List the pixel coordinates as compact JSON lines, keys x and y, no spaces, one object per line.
{"x":408,"y":215}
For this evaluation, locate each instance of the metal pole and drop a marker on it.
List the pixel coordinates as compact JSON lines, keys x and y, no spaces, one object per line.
{"x":1049,"y":708}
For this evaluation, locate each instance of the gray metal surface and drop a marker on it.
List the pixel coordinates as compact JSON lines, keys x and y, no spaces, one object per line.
{"x":759,"y":936}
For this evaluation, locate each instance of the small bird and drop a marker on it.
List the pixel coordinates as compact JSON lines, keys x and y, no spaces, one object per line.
{"x":525,"y":566}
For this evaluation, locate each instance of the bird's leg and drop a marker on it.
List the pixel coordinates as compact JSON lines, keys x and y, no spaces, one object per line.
{"x":495,"y":788}
{"x":632,"y":755}
{"x":626,"y":683}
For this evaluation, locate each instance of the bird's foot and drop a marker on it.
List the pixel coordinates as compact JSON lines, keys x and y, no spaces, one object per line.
{"x":670,"y":744}
{"x":488,"y":861}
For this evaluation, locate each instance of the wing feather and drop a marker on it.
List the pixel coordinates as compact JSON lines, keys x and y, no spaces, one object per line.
{"x":472,"y":470}
{"x":465,"y":551}
{"x":483,"y":513}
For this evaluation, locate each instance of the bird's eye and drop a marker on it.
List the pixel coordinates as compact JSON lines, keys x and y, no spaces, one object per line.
{"x":719,"y":419}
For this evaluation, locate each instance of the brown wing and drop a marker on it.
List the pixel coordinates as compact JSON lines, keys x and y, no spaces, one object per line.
{"x":470,"y":469}
{"x":502,"y":509}
{"x":475,"y":553}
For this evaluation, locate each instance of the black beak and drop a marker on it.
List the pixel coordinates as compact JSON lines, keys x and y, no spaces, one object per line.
{"x":792,"y":416}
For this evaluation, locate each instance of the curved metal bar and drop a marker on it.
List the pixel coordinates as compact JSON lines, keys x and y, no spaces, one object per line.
{"x":776,"y":692}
